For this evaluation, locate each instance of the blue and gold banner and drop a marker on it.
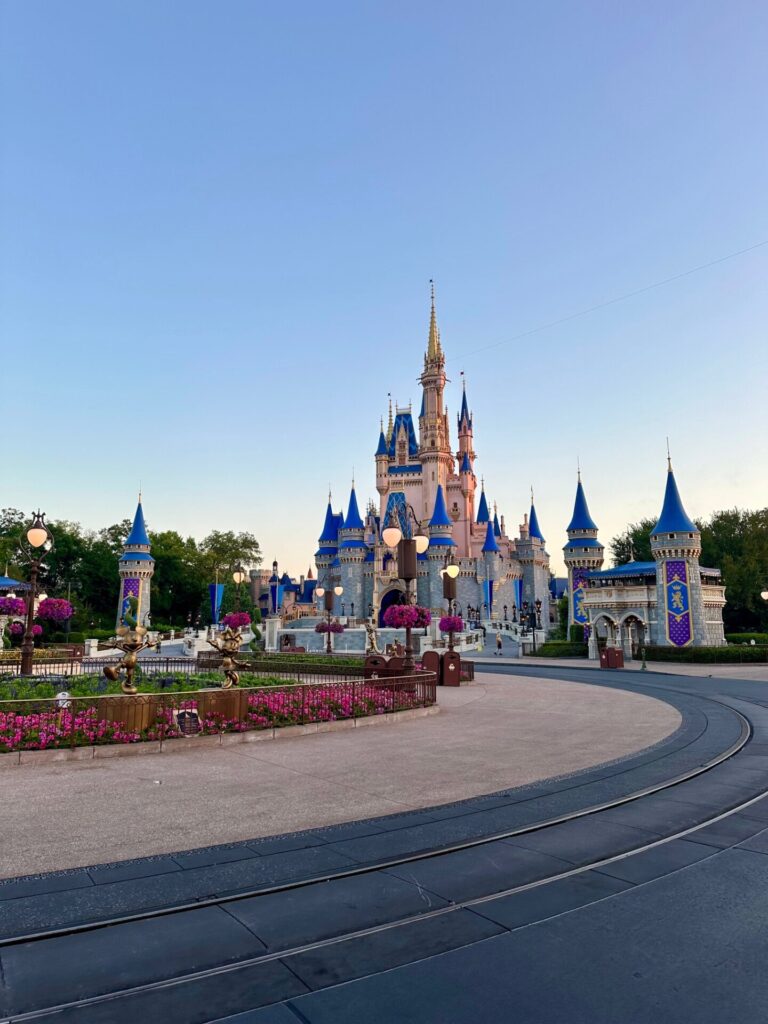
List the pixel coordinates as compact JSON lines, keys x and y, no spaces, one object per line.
{"x":578,"y":612}
{"x":677,"y":603}
{"x":216,"y":591}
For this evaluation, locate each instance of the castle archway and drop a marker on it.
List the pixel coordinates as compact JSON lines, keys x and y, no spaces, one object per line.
{"x":395,"y":595}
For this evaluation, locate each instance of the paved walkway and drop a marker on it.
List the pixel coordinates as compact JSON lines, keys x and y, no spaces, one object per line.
{"x":496,"y":734}
{"x":710,"y":671}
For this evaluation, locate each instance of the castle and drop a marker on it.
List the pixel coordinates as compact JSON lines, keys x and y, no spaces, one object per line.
{"x":671,"y":601}
{"x":136,"y":568}
{"x":425,"y":485}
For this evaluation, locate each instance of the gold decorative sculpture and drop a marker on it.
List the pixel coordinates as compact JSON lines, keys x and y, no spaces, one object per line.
{"x":372,"y":645}
{"x":130,"y":640}
{"x":228,"y":644}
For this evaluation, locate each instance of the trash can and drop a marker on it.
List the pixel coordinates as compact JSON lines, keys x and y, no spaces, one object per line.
{"x":432,"y":662}
{"x":604,"y":657}
{"x":451,"y":669}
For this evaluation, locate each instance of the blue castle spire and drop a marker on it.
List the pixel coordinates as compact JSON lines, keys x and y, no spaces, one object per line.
{"x":673,"y":518}
{"x":465,"y":466}
{"x":330,"y":527}
{"x":496,"y":527}
{"x":581,"y":519}
{"x":353,"y":520}
{"x":382,"y":447}
{"x":490,"y":539}
{"x":464,"y":416}
{"x":138,"y":536}
{"x":534,"y":530}
{"x":440,"y":515}
{"x":482,"y":508}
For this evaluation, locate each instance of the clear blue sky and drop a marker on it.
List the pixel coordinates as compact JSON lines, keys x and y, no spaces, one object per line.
{"x":219,"y":221}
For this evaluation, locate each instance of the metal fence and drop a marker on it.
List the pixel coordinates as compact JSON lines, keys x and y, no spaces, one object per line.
{"x":40,"y":724}
{"x":54,"y":668}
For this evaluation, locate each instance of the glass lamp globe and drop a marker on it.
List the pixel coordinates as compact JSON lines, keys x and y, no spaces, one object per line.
{"x":319,"y":591}
{"x":338,"y":591}
{"x":238,"y":575}
{"x":422,"y":543}
{"x":452,"y":570}
{"x":37,"y":534}
{"x":392,"y":535}
{"x":764,"y":595}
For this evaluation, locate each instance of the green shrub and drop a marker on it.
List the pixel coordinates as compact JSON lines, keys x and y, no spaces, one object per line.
{"x":708,"y":655}
{"x":560,"y":649}
{"x":746,"y":638}
{"x":576,"y":634}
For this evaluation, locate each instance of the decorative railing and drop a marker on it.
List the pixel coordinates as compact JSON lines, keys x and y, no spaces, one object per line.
{"x":65,"y":721}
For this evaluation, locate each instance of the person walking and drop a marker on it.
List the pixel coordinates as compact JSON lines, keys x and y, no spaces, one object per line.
{"x":498,"y":644}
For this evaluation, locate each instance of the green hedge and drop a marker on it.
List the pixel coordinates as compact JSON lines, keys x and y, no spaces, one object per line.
{"x":746,"y":638}
{"x":560,"y":649}
{"x":708,"y":655}
{"x":576,"y":634}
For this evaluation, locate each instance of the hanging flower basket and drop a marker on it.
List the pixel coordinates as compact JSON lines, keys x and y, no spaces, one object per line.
{"x":12,"y":606}
{"x":236,"y":620}
{"x":404,"y":616}
{"x":451,"y":624}
{"x":55,"y":609}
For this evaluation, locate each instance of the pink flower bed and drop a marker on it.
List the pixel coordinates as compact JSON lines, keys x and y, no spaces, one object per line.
{"x":267,"y":708}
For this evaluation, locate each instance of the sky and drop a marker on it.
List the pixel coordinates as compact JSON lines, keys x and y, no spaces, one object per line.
{"x":219,"y":223}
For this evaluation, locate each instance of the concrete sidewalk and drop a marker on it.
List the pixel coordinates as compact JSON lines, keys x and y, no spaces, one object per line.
{"x":493,"y":735}
{"x":714,"y":671}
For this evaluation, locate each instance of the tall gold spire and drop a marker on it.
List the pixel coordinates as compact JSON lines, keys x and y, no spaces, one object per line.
{"x":390,"y":423}
{"x":433,"y":346}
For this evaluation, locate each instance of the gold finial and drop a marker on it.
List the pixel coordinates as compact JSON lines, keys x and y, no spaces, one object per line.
{"x":329,"y":493}
{"x":482,"y":483}
{"x":669,"y":458}
{"x":578,"y":469}
{"x":433,"y":346}
{"x":390,"y":424}
{"x":353,"y":478}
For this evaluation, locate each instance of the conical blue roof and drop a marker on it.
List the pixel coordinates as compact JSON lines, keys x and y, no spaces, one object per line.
{"x":330,"y":527}
{"x":482,"y":509}
{"x":534,"y":529}
{"x":581,"y":519}
{"x":353,"y":520}
{"x":465,"y":466}
{"x":464,"y":413}
{"x":138,"y":535}
{"x":421,"y":414}
{"x":490,"y":539}
{"x":496,"y":527}
{"x":440,"y":515}
{"x":673,"y":518}
{"x":382,"y":448}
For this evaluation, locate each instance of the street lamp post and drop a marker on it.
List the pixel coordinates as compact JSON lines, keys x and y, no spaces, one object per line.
{"x":238,"y":576}
{"x":39,"y":539}
{"x":328,"y":594}
{"x":407,"y":550}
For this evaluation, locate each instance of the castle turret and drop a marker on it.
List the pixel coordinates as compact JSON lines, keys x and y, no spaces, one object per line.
{"x":676,"y":547}
{"x":352,"y":553}
{"x":534,"y":560}
{"x":136,"y":567}
{"x":482,"y":508}
{"x":441,"y":541}
{"x":382,"y":461}
{"x":583,"y":554}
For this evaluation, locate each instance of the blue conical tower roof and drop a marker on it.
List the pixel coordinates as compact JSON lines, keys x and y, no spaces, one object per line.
{"x":534,"y":530}
{"x":482,"y":509}
{"x":382,"y":448}
{"x":138,"y":535}
{"x":465,"y":466}
{"x":490,"y":539}
{"x":673,"y":518}
{"x":353,"y":520}
{"x":581,"y":519}
{"x":464,"y":416}
{"x":330,"y":527}
{"x":496,"y":527}
{"x":440,"y":515}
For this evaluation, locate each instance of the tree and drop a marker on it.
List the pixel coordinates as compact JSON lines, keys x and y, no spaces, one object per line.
{"x":221,"y":552}
{"x":634,"y":545}
{"x":11,"y":525}
{"x":178,"y":583}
